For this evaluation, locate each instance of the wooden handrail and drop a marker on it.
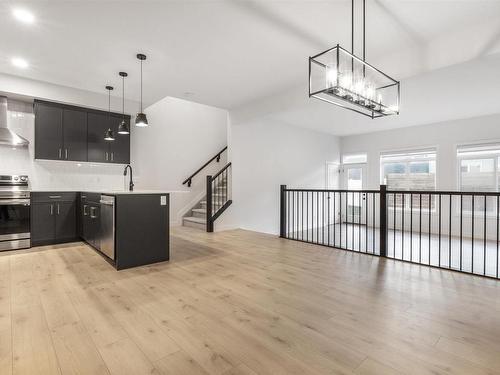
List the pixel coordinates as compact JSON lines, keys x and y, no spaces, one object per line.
{"x":217,"y":156}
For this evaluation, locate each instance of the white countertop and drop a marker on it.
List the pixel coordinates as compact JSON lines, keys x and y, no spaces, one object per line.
{"x":111,"y":192}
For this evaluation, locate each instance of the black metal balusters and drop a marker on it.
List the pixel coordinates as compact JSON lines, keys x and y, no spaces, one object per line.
{"x":218,"y":200}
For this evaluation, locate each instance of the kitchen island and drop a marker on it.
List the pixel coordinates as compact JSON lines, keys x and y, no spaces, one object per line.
{"x":128,"y":228}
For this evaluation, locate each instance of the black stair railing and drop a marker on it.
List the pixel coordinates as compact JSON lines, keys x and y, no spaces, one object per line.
{"x":216,"y":158}
{"x":454,"y":230}
{"x":218,"y":197}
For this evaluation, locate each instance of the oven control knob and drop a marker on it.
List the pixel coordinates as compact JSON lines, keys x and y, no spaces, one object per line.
{"x":16,"y":178}
{"x":23,"y":178}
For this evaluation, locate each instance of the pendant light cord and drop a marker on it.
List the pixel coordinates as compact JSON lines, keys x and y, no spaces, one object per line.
{"x":141,"y":86}
{"x":123,"y":97}
{"x":109,"y":103}
{"x":352,"y":36}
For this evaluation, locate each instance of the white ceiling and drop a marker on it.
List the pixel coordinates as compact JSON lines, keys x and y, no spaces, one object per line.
{"x":227,"y":53}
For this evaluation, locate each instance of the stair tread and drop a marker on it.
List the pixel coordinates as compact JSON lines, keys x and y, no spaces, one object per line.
{"x":195,"y":219}
{"x":200,"y":210}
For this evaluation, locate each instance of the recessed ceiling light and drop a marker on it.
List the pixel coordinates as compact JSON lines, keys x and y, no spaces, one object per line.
{"x":19,"y":62}
{"x":23,"y":15}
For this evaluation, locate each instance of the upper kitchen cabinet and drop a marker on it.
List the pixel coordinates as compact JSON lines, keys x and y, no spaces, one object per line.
{"x":48,"y":131}
{"x":75,"y":134}
{"x":65,"y":132}
{"x":120,"y":147}
{"x":60,"y":132}
{"x":99,"y":150}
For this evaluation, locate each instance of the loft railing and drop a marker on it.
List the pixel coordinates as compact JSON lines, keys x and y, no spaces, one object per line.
{"x":445,"y":229}
{"x":218,"y":195}
{"x":216,"y":157}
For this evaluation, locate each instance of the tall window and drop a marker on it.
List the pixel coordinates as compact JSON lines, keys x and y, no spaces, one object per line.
{"x":409,"y":170}
{"x":479,"y":167}
{"x":479,"y":170}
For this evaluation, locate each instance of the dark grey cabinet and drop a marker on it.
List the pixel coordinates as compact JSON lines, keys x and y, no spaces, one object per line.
{"x":48,"y":131}
{"x":65,"y":221}
{"x":42,"y":223}
{"x":101,"y":151}
{"x":65,"y":132}
{"x":89,"y":218}
{"x":74,"y":135}
{"x":53,"y":218}
{"x":98,"y":148}
{"x":120,"y":147}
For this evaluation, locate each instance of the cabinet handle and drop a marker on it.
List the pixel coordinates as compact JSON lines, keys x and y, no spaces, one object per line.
{"x":58,"y":211}
{"x":112,"y":156}
{"x":51,"y":209}
{"x":60,"y":153}
{"x":54,"y":196}
{"x":85,"y":213}
{"x":66,"y":153}
{"x":106,"y":156}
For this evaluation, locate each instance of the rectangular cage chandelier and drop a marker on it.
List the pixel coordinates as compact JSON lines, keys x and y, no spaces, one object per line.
{"x":339,"y":77}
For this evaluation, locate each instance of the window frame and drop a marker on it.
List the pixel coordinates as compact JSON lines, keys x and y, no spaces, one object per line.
{"x":348,"y":154}
{"x":403,"y":152}
{"x":492,"y":155}
{"x":407,"y":162}
{"x":496,"y":163}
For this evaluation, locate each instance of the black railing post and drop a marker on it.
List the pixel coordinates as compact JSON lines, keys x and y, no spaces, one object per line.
{"x":210,"y":222}
{"x":282,"y":211}
{"x":383,"y":220}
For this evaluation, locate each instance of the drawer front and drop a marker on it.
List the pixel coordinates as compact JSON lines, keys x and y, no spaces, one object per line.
{"x":90,"y":197}
{"x":53,"y":196}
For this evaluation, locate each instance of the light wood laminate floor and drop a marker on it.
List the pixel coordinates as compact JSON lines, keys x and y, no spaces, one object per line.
{"x":240,"y":302}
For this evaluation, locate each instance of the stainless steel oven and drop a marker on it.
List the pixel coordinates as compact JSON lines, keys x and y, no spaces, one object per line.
{"x":14,"y":212}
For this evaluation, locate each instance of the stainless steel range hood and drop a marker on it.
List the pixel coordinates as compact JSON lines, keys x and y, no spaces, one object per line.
{"x":7,"y":136}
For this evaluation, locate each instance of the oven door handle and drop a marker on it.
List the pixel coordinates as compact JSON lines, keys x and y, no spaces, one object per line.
{"x":14,"y":202}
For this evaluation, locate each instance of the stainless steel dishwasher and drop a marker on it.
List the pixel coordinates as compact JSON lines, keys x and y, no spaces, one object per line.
{"x":108,"y":226}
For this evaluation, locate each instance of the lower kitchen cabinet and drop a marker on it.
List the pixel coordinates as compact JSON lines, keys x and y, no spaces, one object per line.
{"x":52,"y":221}
{"x":65,"y":221}
{"x":90,"y":224}
{"x":42,"y":223}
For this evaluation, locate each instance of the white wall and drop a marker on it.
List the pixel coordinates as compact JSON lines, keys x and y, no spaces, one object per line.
{"x":181,"y":137}
{"x":28,"y":89}
{"x":265,"y":154}
{"x":444,"y":135}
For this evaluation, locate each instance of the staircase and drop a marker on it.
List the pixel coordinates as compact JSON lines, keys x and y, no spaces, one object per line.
{"x":216,"y":200}
{"x":197,"y":217}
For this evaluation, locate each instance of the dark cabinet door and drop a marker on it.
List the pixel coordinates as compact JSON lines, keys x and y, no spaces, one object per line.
{"x":95,"y":226}
{"x":48,"y":132}
{"x":98,"y":148}
{"x":42,"y":223}
{"x":120,"y":147}
{"x":75,"y":135}
{"x":65,"y":220}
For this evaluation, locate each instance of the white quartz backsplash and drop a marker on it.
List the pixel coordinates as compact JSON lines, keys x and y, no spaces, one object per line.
{"x":45,"y":174}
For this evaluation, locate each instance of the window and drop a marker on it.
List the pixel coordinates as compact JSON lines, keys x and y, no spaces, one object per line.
{"x":411,"y":170}
{"x":479,"y":167}
{"x":354,"y":158}
{"x":479,"y":171}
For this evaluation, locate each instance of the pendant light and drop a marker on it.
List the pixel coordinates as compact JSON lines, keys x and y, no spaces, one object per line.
{"x":339,"y":77}
{"x":109,"y":136}
{"x":141,"y":119}
{"x":123,"y":128}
